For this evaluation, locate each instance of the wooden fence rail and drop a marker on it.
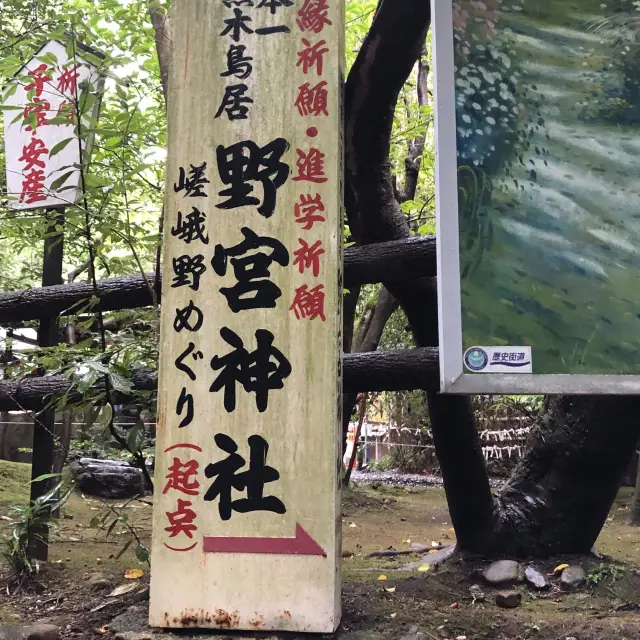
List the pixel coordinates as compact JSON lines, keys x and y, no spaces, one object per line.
{"x":387,"y":261}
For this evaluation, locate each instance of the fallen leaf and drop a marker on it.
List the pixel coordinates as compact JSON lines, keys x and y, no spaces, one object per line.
{"x":352,"y":525}
{"x":560,"y":567}
{"x":389,"y":589}
{"x":453,"y":605}
{"x":435,"y":544}
{"x":393,"y":615}
{"x":382,"y":577}
{"x":123,"y":589}
{"x":424,"y":567}
{"x":452,"y":530}
{"x":133,"y":574}
{"x":432,"y":551}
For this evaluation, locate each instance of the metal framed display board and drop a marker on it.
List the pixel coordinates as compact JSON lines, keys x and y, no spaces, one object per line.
{"x":538,"y":196}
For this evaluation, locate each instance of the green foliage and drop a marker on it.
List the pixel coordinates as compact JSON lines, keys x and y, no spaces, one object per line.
{"x":29,"y":520}
{"x":115,"y":519}
{"x":605,"y":573}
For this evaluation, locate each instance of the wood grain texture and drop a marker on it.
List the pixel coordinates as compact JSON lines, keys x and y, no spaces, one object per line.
{"x":300,"y":424}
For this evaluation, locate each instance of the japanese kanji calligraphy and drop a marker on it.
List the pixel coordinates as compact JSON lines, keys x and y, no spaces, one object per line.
{"x":250,"y":337}
{"x":45,"y":101}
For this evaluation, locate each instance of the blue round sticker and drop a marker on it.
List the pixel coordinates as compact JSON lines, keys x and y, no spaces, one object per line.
{"x":476,"y":359}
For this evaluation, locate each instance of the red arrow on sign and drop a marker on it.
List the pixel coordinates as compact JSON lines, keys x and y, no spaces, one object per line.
{"x":302,"y":545}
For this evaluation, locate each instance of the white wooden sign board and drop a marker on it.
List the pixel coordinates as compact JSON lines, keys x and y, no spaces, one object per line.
{"x":38,"y":101}
{"x":247,"y":503}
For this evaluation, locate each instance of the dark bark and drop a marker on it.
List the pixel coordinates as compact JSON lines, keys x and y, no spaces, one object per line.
{"x":560,"y":494}
{"x":395,"y":260}
{"x":386,"y":304}
{"x":386,"y":59}
{"x":413,"y":160}
{"x":42,"y":457}
{"x":381,"y":371}
{"x":635,"y":510}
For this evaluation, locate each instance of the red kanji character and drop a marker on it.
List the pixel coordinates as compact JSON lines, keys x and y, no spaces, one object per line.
{"x":67,"y":80}
{"x":306,"y":210}
{"x":39,"y":76}
{"x":181,"y":477}
{"x":33,"y":187}
{"x":312,"y":100}
{"x":310,"y":166}
{"x":40,"y":109}
{"x":31,"y":154}
{"x":181,"y":520}
{"x":309,"y":303}
{"x":309,"y":257}
{"x":66,"y":110}
{"x":313,"y":16}
{"x":312,"y":56}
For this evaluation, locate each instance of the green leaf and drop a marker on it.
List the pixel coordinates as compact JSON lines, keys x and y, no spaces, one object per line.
{"x":58,"y":182}
{"x":45,"y":476}
{"x":57,"y":148}
{"x":142,"y":553}
{"x":106,"y":413}
{"x":124,"y":548}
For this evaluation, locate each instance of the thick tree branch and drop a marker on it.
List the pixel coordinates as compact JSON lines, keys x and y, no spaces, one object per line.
{"x":386,"y":59}
{"x":413,"y":257}
{"x":381,"y":371}
{"x":162,"y":28}
{"x":413,"y":160}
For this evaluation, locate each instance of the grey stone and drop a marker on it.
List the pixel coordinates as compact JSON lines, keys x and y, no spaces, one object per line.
{"x":135,"y":618}
{"x":42,"y":632}
{"x":111,"y":463}
{"x":11,"y":632}
{"x":413,"y":634}
{"x":572,"y":577}
{"x":509,"y":599}
{"x":98,"y":581}
{"x":504,"y":572}
{"x":536,"y":578}
{"x":104,"y":479}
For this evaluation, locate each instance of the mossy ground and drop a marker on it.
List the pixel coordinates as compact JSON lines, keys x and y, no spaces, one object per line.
{"x":437,"y":601}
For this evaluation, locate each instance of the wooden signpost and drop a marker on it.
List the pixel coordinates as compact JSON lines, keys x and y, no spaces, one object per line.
{"x":247,"y":502}
{"x":42,"y":105}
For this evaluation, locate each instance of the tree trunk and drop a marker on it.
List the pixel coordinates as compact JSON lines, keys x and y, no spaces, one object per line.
{"x":561,"y":492}
{"x":635,"y":512}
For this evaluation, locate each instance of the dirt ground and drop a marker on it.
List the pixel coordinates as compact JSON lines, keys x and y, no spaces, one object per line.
{"x":381,"y":599}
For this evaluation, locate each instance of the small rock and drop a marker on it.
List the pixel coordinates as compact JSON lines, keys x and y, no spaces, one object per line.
{"x":509,"y":599}
{"x":413,"y":634}
{"x":42,"y":632}
{"x":134,"y":635}
{"x":536,"y":578}
{"x":504,"y":572}
{"x":98,"y":581}
{"x":572,"y":577}
{"x":10,"y":633}
{"x":477,"y":593}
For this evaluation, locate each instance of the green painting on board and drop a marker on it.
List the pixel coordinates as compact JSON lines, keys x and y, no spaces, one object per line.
{"x":548,"y":130}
